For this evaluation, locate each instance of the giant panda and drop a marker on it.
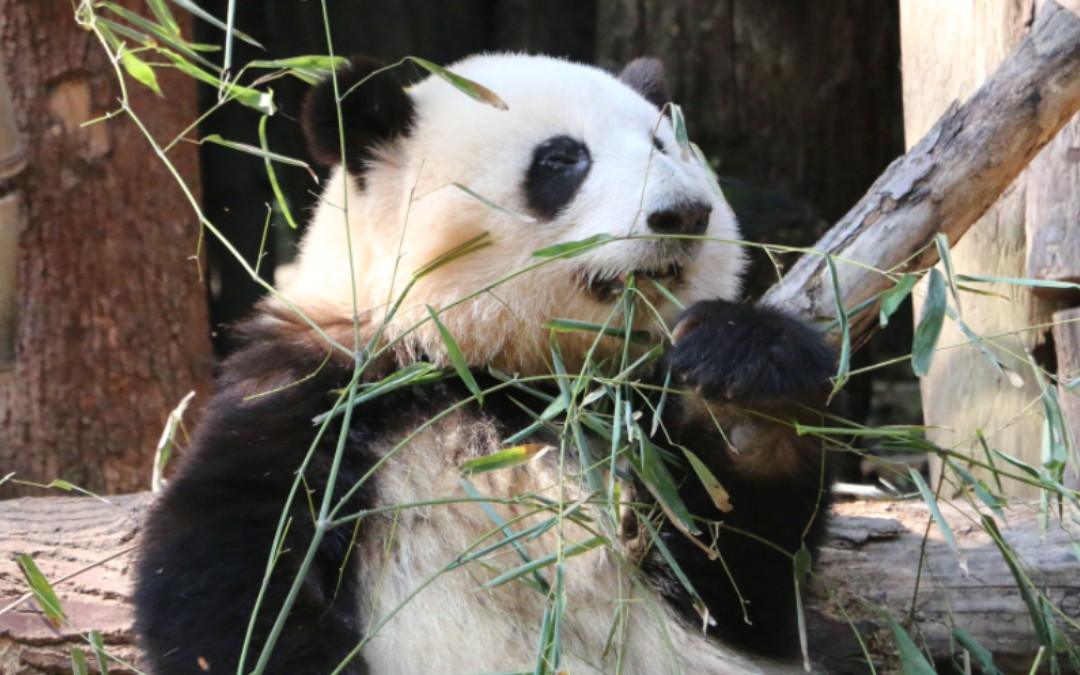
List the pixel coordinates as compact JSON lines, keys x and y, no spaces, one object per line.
{"x":403,"y":584}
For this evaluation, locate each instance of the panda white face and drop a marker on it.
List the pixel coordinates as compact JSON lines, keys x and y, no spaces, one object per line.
{"x":578,"y":153}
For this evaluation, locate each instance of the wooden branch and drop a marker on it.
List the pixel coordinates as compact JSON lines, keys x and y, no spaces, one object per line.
{"x":947,"y":181}
{"x":869,"y":562}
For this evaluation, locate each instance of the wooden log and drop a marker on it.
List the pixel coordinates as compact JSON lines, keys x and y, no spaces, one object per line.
{"x":949,"y":179}
{"x":85,"y":541}
{"x":1067,"y":346}
{"x":869,"y":563}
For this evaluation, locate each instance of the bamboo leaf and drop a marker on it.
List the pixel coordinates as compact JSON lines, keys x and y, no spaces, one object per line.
{"x":42,"y":590}
{"x":713,"y":178}
{"x":575,"y":326}
{"x":309,"y":65}
{"x":412,"y":374}
{"x":534,"y":566}
{"x":1022,"y":585}
{"x":282,"y":202}
{"x":165,"y":35}
{"x":140,"y":70}
{"x":981,"y":655}
{"x":912,"y":660}
{"x":929,"y":330}
{"x":59,"y":484}
{"x":1036,"y":283}
{"x":649,"y":465}
{"x":78,"y":662}
{"x":935,"y":512}
{"x":492,"y":205}
{"x":504,"y":459}
{"x":942,"y":243}
{"x":673,"y":565}
{"x":801,"y":568}
{"x":717,"y":493}
{"x":465,"y":248}
{"x":257,"y":151}
{"x":682,"y":136}
{"x":572,"y":248}
{"x":98,"y":644}
{"x":1019,"y":464}
{"x":472,"y":89}
{"x":263,"y":101}
{"x":214,"y":21}
{"x":843,"y":367}
{"x":507,"y":531}
{"x":164,"y":16}
{"x":557,"y":406}
{"x":457,"y":358}
{"x":892,"y":298}
{"x":311,"y":69}
{"x":981,"y":491}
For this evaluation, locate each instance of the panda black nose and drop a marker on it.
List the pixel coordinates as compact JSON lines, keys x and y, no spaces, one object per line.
{"x":688,"y":218}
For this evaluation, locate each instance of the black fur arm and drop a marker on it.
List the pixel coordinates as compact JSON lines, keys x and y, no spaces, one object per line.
{"x":206,"y":544}
{"x":757,"y":370}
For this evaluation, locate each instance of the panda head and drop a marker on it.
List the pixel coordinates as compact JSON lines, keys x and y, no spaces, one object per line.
{"x":577,"y":153}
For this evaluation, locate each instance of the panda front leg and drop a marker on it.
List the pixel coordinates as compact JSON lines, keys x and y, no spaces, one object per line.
{"x":749,"y":372}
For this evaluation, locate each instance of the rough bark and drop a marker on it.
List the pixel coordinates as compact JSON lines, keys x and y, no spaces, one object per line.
{"x":112,"y":327}
{"x":869,"y":563}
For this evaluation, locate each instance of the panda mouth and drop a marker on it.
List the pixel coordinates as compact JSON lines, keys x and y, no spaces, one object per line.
{"x":607,"y":289}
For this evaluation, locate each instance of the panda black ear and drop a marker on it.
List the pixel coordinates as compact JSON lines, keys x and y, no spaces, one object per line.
{"x":373,"y":113}
{"x":645,"y":75}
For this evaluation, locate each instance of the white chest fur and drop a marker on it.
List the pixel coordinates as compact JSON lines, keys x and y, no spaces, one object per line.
{"x":427,"y":614}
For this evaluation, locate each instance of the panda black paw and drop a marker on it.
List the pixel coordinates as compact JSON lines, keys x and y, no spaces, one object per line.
{"x":748,"y":354}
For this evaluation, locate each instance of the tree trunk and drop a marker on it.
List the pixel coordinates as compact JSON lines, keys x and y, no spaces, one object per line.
{"x":948,"y":50}
{"x":84,"y":548}
{"x":112,"y":327}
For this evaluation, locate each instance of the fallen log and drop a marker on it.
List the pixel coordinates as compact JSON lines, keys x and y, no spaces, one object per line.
{"x":869,"y":565}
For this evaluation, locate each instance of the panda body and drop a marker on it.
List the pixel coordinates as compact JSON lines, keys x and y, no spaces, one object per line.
{"x":398,"y":589}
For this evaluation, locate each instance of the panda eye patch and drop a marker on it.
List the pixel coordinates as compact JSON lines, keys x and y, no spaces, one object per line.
{"x":559,"y":167}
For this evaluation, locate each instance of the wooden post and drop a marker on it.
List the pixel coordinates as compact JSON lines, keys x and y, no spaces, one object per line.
{"x":1067,"y":344}
{"x":948,"y":49}
{"x":1053,"y":214}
